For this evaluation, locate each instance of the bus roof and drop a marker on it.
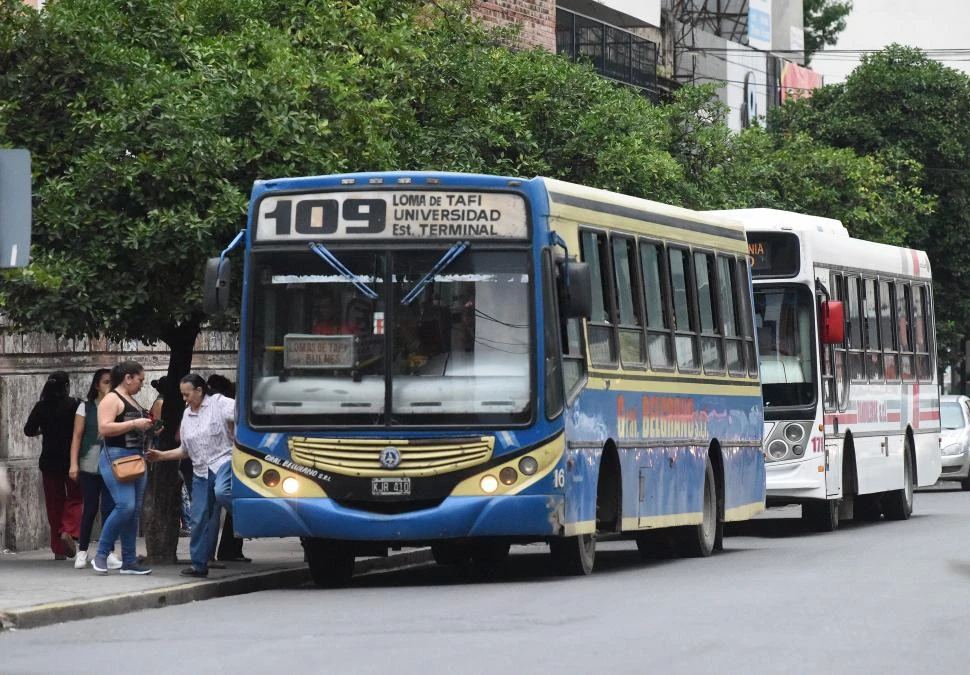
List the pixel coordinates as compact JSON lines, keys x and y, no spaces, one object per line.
{"x":776,"y":219}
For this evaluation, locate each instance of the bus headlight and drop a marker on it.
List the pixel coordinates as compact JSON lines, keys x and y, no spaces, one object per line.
{"x":291,"y":485}
{"x":252,"y":468}
{"x":797,"y":450}
{"x":488,"y":484}
{"x":271,"y":478}
{"x":528,"y":465}
{"x":777,"y":449}
{"x":508,"y":475}
{"x":794,"y":433}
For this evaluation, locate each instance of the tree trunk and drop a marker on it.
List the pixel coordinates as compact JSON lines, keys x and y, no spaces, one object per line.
{"x":163,"y":498}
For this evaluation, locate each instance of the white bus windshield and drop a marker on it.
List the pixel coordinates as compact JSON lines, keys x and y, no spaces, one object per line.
{"x":325,"y":355}
{"x":786,"y":330}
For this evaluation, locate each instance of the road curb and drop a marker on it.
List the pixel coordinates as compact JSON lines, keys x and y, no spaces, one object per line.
{"x":180,"y":594}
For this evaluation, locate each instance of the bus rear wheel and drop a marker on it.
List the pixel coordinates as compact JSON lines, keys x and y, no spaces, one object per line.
{"x":574,"y":556}
{"x":898,"y":504}
{"x":450,"y":553}
{"x":331,"y":563}
{"x":697,"y":541}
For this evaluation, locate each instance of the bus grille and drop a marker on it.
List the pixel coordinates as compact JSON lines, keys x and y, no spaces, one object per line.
{"x":362,"y":457}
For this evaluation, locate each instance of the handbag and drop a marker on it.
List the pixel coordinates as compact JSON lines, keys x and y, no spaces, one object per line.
{"x":129,"y":468}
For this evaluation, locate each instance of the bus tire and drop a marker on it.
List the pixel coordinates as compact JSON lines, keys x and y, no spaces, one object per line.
{"x":574,"y":556}
{"x":898,"y":504}
{"x":450,"y":553}
{"x":821,"y":515}
{"x":331,"y":563}
{"x":698,"y":541}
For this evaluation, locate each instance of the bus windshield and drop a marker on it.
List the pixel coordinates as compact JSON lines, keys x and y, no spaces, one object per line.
{"x":786,"y":329}
{"x":447,"y":348}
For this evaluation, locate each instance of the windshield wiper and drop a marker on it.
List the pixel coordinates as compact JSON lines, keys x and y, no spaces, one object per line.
{"x":445,"y":260}
{"x":339,"y":267}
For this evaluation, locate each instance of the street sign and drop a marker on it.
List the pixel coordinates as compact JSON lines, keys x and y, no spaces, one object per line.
{"x":14,"y":207}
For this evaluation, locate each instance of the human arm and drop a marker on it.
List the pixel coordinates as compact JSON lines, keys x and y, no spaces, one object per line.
{"x":76,"y":443}
{"x":153,"y":455}
{"x":32,"y":427}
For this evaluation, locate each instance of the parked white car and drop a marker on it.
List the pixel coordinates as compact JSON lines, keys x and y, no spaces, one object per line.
{"x":955,"y":439}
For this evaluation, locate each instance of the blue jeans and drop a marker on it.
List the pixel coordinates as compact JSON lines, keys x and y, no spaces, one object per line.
{"x":209,"y":494}
{"x":128,"y":497}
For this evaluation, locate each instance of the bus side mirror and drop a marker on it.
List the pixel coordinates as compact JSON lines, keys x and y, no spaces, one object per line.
{"x":215,"y":288}
{"x":577,"y":296}
{"x":833,"y":322}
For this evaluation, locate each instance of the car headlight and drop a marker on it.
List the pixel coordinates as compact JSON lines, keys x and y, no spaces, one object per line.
{"x":952,"y":449}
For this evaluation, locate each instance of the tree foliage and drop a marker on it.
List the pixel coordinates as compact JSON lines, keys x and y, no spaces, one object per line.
{"x":915,"y":113}
{"x":824,"y":20}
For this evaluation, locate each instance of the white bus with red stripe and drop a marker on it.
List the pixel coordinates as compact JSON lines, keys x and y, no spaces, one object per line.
{"x":848,"y":368}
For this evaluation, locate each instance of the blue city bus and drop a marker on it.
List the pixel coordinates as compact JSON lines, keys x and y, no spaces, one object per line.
{"x":467,"y":362}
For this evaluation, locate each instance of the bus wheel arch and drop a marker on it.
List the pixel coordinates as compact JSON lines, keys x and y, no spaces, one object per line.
{"x":609,"y":491}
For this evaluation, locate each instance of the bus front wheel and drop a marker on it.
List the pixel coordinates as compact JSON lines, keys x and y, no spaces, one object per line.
{"x":331,"y":563}
{"x":574,"y":555}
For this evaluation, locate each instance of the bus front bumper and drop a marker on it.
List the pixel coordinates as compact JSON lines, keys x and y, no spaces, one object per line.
{"x":795,"y":481}
{"x":455,"y":517}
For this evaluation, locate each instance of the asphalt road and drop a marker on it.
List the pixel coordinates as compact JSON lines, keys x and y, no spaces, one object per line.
{"x":887,"y":597}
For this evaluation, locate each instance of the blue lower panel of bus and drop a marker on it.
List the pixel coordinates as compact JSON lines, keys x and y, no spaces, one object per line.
{"x":455,"y":517}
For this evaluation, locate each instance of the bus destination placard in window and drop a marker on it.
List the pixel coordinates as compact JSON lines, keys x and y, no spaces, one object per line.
{"x":318,"y":351}
{"x":773,"y":254}
{"x":391,"y":214}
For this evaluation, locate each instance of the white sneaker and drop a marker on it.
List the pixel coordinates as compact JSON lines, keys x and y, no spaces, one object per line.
{"x":81,"y":560}
{"x":114,"y":562}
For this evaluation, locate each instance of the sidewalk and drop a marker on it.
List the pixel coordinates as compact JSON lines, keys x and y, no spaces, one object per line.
{"x":36,"y":590}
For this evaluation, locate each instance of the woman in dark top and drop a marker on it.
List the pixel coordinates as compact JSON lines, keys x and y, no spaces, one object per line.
{"x":53,"y":418}
{"x":125,"y":425}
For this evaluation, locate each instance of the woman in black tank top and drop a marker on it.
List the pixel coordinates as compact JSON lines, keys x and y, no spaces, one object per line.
{"x":124,"y":424}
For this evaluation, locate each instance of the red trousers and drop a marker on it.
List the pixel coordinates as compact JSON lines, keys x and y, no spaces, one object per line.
{"x":62,"y":497}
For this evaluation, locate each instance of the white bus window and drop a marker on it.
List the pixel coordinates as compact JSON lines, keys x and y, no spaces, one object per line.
{"x":887,"y":329}
{"x":784,"y":317}
{"x":871,"y":332}
{"x":904,"y":320}
{"x":857,"y":367}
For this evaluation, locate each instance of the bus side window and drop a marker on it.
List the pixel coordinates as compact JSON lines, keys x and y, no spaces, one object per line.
{"x":685,"y":320}
{"x":601,"y":326}
{"x":730,"y":321}
{"x":887,"y":329}
{"x":712,"y":348}
{"x":871,"y":319}
{"x":904,"y":321}
{"x":628,"y":295}
{"x":743,"y":294}
{"x":656,"y":292}
{"x":857,"y":366}
{"x":921,"y":334}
